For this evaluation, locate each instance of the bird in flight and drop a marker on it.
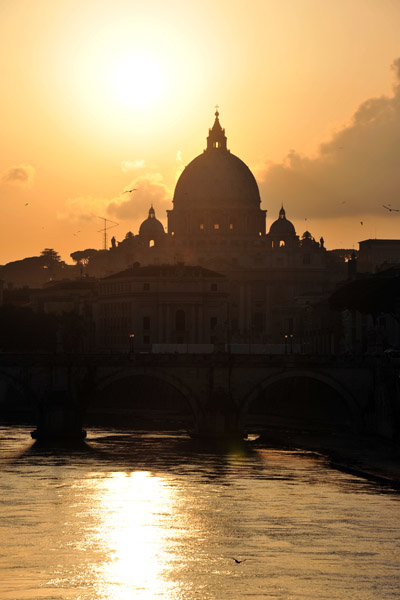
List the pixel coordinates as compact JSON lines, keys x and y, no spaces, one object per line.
{"x":237,"y":561}
{"x":391,"y":209}
{"x":129,"y":191}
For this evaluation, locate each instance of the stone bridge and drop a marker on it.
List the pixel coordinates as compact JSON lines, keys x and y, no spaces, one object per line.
{"x":214,"y":394}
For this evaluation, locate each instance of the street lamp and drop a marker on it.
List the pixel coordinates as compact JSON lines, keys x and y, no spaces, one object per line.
{"x":289,"y":337}
{"x":132,"y":343}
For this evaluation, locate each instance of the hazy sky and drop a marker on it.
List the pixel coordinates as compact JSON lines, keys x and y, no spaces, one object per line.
{"x":100,"y":96}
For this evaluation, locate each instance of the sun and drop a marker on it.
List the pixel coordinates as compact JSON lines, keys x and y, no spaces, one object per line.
{"x":137,"y":80}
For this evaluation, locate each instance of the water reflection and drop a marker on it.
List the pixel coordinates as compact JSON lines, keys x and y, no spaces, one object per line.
{"x":130,"y":509}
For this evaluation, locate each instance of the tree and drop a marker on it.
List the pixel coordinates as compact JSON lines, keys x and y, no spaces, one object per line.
{"x":371,"y":295}
{"x":50,"y":256}
{"x":83,"y":256}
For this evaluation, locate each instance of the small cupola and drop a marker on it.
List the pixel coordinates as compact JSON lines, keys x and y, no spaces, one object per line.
{"x":151,"y":227}
{"x":216,"y":135}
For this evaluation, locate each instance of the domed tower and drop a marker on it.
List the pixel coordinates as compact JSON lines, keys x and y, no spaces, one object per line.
{"x":151,"y":230}
{"x":216,"y":196}
{"x":282,"y":232}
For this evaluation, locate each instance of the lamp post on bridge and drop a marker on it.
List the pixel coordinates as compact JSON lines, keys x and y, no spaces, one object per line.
{"x":289,"y":338}
{"x":131,"y":343}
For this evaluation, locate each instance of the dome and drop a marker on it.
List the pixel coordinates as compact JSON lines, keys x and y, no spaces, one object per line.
{"x":282,"y":227}
{"x":151,"y":227}
{"x":216,"y":178}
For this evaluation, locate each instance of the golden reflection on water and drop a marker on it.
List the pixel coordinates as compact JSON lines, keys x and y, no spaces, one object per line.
{"x":131,"y":508}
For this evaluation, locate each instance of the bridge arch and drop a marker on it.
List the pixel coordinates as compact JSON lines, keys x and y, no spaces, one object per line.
{"x":146,"y":390}
{"x":302,"y":397}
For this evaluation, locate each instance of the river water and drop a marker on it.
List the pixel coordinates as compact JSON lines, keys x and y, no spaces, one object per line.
{"x":137,"y":515}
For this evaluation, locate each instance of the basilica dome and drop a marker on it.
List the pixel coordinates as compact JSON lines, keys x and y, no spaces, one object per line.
{"x":217,"y":179}
{"x":151,"y":227}
{"x":282,"y":227}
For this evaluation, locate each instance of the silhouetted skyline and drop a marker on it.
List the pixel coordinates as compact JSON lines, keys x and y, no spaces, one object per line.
{"x":306,"y":92}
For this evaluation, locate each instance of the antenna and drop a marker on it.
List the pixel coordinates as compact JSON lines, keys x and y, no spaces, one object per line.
{"x":104,"y":231}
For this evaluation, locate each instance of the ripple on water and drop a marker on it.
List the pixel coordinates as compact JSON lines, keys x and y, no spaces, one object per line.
{"x":136,"y":515}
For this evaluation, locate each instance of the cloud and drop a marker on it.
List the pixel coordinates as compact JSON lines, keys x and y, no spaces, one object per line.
{"x":354,"y":173}
{"x":133,"y":207}
{"x":132,"y":165}
{"x":149,"y":189}
{"x":181,"y":166}
{"x":20,"y":174}
{"x":83,"y":209}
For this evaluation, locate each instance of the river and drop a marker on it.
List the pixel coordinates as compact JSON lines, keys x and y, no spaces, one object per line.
{"x":138,"y":515}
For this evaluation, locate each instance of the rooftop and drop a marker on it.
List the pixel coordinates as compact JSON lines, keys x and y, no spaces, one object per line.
{"x":158,"y":271}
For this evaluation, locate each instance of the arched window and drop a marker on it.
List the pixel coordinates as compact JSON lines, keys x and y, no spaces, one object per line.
{"x":180,"y":320}
{"x":151,"y":243}
{"x":281,"y":243}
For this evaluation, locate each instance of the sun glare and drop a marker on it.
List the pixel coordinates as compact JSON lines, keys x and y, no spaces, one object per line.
{"x":137,"y":80}
{"x":131,"y":507}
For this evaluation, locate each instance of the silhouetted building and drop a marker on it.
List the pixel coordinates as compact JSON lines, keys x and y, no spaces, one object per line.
{"x":217,"y":266}
{"x":160,"y":304}
{"x":377,"y":254}
{"x":216,"y":222}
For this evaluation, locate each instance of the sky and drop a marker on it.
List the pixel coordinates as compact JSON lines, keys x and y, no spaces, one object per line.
{"x":100,"y":97}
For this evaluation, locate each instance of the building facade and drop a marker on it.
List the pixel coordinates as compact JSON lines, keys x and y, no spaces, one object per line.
{"x":168,"y":305}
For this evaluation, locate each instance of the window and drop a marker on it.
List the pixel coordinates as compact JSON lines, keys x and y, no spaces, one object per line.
{"x":201,"y":226}
{"x":151,"y":243}
{"x":146,"y":339}
{"x":230,"y":225}
{"x":213,"y":322}
{"x":216,"y":225}
{"x":180,"y":320}
{"x":146,"y":322}
{"x":281,"y":243}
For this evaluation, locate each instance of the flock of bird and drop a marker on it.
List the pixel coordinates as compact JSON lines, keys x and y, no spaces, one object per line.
{"x":389,"y":208}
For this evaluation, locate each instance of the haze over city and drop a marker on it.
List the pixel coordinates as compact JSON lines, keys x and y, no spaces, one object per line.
{"x":104,"y":97}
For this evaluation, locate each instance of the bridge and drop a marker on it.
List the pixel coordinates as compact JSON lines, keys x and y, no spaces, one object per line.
{"x":219,"y":394}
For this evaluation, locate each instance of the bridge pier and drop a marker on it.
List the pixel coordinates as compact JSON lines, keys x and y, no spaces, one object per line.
{"x":220,"y":418}
{"x":58,"y":419}
{"x":59,"y":414}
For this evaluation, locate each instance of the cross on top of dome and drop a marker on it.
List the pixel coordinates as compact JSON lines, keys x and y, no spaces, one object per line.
{"x":216,"y":135}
